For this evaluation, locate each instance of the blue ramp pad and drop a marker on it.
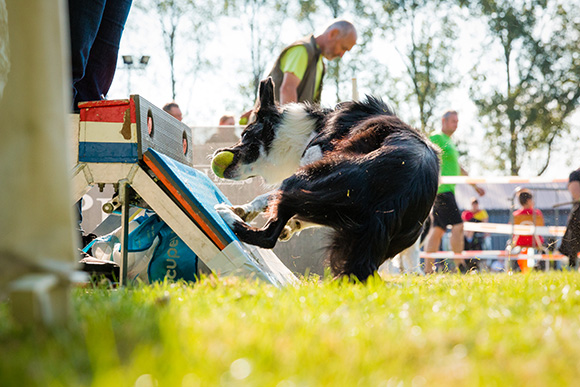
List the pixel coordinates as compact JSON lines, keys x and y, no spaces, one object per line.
{"x":197,"y":195}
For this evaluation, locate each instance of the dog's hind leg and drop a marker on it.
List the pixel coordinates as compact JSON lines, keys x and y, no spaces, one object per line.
{"x":294,"y":226}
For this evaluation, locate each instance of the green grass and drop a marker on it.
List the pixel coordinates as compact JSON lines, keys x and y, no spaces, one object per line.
{"x":408,"y":331}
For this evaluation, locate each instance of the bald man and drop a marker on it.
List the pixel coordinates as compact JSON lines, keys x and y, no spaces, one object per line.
{"x":299,"y":69}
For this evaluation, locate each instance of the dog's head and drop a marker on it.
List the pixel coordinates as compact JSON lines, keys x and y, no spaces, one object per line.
{"x":244,"y":159}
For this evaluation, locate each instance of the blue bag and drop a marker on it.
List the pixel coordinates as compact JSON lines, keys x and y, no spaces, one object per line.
{"x":155,"y":252}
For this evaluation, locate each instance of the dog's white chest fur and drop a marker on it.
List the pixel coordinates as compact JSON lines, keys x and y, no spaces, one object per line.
{"x":285,"y":156}
{"x":311,"y":155}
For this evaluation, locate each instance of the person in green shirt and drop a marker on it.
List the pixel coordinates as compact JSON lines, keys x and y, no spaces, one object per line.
{"x":445,"y":211}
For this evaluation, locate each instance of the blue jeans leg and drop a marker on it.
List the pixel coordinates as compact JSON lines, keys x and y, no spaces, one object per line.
{"x":96,"y":29}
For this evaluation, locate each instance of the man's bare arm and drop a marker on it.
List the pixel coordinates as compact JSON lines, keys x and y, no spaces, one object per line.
{"x":289,"y":88}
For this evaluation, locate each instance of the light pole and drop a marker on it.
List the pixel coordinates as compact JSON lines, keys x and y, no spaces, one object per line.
{"x":134,"y":63}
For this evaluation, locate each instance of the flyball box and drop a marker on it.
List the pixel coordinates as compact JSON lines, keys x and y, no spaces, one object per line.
{"x":133,"y":142}
{"x":121,"y":131}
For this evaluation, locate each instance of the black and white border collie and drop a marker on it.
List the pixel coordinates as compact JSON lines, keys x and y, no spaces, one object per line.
{"x":357,"y":169}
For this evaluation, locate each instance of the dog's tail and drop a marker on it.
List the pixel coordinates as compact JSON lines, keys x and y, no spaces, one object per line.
{"x":360,"y":253}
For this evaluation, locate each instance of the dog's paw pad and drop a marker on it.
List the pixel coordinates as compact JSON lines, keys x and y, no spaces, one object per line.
{"x":227,"y":214}
{"x":239,"y":211}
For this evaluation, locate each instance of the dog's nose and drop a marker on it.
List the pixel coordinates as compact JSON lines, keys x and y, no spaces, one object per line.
{"x":220,"y":162}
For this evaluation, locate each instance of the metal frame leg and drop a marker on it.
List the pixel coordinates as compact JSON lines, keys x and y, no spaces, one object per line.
{"x":124,"y":197}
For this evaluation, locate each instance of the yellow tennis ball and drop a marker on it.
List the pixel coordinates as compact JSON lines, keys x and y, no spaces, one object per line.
{"x":243,"y":120}
{"x":220,"y":162}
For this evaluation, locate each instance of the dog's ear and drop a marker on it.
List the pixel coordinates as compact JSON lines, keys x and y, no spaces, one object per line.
{"x":266,"y":93}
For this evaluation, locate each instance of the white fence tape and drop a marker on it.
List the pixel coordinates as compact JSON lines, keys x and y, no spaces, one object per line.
{"x":518,"y":229}
{"x":492,"y":254}
{"x":500,"y":180}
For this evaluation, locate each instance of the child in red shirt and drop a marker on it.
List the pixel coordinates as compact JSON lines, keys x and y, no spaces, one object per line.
{"x":530,"y":216}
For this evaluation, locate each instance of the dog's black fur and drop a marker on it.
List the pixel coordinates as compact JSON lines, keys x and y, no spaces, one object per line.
{"x":374,"y":184}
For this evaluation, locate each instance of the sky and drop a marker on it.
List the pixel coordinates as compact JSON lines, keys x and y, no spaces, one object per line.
{"x":206,"y":97}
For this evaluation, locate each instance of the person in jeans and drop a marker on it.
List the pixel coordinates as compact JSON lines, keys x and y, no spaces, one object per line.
{"x":96,"y":27}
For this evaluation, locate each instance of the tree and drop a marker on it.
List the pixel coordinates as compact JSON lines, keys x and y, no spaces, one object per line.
{"x":425,"y":47}
{"x":333,"y":69}
{"x":428,"y":58}
{"x":529,"y":108}
{"x":263,"y":22}
{"x":178,"y":18}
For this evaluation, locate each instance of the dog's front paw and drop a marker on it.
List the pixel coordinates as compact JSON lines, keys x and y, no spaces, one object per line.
{"x":240,"y":211}
{"x":227,"y":214}
{"x":247,"y":212}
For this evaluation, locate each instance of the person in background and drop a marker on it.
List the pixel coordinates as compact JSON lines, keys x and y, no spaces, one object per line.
{"x":227,"y":120}
{"x":225,"y":131}
{"x":527,"y":215}
{"x":173,"y":109}
{"x":445,"y":211}
{"x":299,"y":69}
{"x":474,"y":240}
{"x":571,"y":241}
{"x":477,"y":215}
